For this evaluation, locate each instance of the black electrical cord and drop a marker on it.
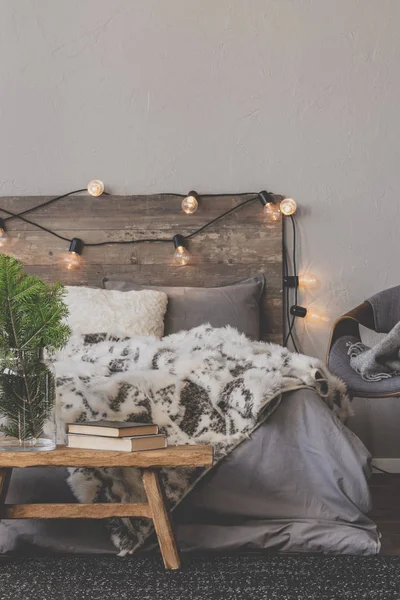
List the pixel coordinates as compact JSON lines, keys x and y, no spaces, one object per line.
{"x":29,"y":210}
{"x":56,"y":198}
{"x":294,"y":251}
{"x":187,"y":237}
{"x":286,"y":290}
{"x":16,"y":215}
{"x":290,"y":334}
{"x":228,"y":212}
{"x":226,"y":195}
{"x":294,"y":260}
{"x":125,"y":242}
{"x":254,"y":196}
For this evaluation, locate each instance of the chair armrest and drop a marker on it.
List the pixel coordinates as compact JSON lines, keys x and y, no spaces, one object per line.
{"x":349,"y":323}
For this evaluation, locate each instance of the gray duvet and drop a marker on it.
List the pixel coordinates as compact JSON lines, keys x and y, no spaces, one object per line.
{"x":299,"y":484}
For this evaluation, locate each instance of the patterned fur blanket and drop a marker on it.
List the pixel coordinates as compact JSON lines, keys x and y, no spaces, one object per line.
{"x":201,"y":386}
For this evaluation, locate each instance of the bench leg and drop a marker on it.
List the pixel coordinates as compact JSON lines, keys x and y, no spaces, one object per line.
{"x":161,"y":520}
{"x":5,"y":476}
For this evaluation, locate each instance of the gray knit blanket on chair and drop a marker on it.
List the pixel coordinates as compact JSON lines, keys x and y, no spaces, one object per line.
{"x":379,"y":362}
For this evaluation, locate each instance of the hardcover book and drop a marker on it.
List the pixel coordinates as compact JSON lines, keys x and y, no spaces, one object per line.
{"x":123,"y":444}
{"x":113,"y":428}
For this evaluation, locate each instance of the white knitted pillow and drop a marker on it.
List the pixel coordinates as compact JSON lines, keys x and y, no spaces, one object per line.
{"x":93,"y":310}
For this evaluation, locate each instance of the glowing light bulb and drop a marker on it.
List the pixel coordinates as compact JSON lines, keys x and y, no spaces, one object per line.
{"x":95,"y":187}
{"x":72,"y":260}
{"x":182,"y":254}
{"x":272,"y":212}
{"x":308,"y":280}
{"x":270,"y":207}
{"x":316,"y":318}
{"x":288,"y":207}
{"x":4,"y":239}
{"x":190,"y":203}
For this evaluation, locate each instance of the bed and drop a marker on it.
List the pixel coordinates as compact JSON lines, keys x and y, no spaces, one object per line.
{"x":299,"y":484}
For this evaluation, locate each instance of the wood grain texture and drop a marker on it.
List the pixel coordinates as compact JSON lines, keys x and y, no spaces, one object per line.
{"x":239,"y":246}
{"x":174,"y":456}
{"x":161,"y":519}
{"x":76,"y":511}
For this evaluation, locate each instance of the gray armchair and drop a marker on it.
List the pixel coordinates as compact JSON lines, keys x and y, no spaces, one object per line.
{"x":379,"y":313}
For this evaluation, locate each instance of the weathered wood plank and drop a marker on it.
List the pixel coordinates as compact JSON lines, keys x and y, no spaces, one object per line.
{"x":174,"y":456}
{"x":161,"y":520}
{"x":76,"y":511}
{"x":209,"y":275}
{"x":239,"y":246}
{"x":228,"y":247}
{"x":134,"y":212}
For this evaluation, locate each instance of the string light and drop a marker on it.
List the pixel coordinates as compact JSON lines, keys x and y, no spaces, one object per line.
{"x":298,"y":311}
{"x":182,"y":255}
{"x":4,"y":239}
{"x":308,"y":280}
{"x":310,"y":315}
{"x":190,"y":204}
{"x":95,"y":187}
{"x":288,"y":207}
{"x":73,"y":259}
{"x":316,"y":318}
{"x":271,"y":208}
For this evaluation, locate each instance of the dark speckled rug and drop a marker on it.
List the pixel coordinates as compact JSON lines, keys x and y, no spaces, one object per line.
{"x":220,"y":577}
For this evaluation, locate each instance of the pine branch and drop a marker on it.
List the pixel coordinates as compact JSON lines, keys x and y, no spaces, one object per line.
{"x":46,"y":323}
{"x":27,"y":418}
{"x":10,"y":310}
{"x":32,"y":316}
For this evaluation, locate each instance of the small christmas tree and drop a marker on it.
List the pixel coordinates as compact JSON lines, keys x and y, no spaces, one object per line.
{"x":32,"y":316}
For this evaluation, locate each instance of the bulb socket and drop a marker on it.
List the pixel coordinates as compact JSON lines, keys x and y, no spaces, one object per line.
{"x":298,"y":311}
{"x":2,"y":224}
{"x":193,"y":193}
{"x":179,"y":240}
{"x":266,"y":198}
{"x":76,"y":246}
{"x":291,"y":281}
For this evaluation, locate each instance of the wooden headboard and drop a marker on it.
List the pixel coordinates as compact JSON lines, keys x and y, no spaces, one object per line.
{"x":239,"y":246}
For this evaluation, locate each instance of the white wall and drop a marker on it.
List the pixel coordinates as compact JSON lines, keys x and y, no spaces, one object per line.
{"x":301,"y":97}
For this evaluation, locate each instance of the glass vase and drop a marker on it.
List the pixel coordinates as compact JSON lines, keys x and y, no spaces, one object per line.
{"x":27,"y":401}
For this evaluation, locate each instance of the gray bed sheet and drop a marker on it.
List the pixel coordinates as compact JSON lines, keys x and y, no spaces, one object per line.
{"x":299,"y":484}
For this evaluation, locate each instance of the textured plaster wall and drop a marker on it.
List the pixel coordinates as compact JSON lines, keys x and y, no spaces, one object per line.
{"x":301,"y":97}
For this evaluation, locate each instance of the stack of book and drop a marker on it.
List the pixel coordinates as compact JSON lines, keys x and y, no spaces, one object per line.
{"x":115,"y":435}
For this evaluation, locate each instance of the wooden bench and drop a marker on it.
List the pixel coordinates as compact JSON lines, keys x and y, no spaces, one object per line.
{"x":147,"y":461}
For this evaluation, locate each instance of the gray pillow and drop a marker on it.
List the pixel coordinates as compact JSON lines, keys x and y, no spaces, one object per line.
{"x":237,"y":305}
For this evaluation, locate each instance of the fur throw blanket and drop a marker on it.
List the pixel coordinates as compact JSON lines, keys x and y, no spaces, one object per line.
{"x":203,"y":386}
